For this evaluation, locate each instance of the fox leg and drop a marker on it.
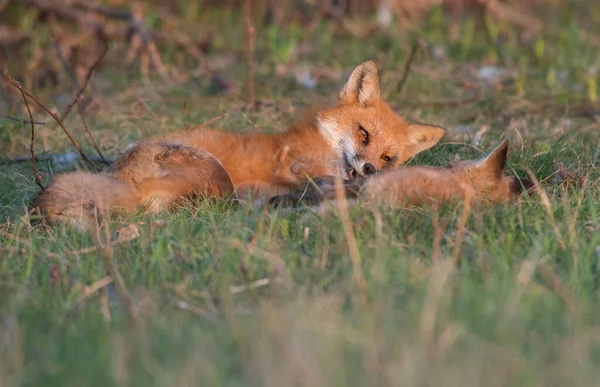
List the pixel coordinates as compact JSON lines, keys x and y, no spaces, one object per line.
{"x":166,"y":174}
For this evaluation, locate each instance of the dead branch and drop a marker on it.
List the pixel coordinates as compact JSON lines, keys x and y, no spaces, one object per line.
{"x":90,"y":133}
{"x":211,"y":120}
{"x":19,"y":120}
{"x":55,"y":117}
{"x":408,"y":64}
{"x":88,"y":76}
{"x":36,"y":174}
{"x":187,"y":113}
{"x":250,"y":49}
{"x":55,"y":157}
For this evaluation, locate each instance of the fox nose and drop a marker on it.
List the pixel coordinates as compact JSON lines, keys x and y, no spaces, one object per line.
{"x":369,"y":169}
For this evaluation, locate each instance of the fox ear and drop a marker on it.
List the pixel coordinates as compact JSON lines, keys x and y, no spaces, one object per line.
{"x":495,"y":162}
{"x":362,"y":87}
{"x":422,"y":137}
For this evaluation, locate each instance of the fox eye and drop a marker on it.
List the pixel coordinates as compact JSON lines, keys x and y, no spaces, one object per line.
{"x":386,"y":158}
{"x":364,"y":134}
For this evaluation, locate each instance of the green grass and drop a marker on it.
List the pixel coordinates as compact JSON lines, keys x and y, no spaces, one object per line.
{"x":522,"y":309}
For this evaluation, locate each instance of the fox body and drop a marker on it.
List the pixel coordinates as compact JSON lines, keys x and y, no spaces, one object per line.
{"x":358,"y":136}
{"x":476,"y":181}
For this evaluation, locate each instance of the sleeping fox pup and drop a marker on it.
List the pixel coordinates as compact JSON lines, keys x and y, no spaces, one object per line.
{"x":358,"y":136}
{"x":478,"y":181}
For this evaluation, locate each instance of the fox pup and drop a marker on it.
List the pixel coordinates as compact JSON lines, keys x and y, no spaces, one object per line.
{"x":358,"y":136}
{"x":479,"y":181}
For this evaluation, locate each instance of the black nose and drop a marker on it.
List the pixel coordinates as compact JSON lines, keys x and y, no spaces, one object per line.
{"x":369,"y":169}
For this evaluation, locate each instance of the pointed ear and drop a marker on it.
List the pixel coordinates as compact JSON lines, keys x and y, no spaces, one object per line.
{"x":495,"y":162}
{"x":362,"y":87}
{"x":422,"y":137}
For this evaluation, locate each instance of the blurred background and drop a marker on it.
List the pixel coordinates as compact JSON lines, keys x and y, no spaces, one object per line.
{"x":463,"y":64}
{"x":51,"y":44}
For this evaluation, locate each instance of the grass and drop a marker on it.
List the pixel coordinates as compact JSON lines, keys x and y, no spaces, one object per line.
{"x":523,"y":308}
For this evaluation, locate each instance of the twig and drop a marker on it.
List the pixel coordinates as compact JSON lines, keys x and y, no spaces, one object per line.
{"x":187,"y":113}
{"x":90,"y":133}
{"x":55,"y":117}
{"x":202,"y":125}
{"x":36,"y":174}
{"x":51,"y":157}
{"x":408,"y":64}
{"x":21,"y":120}
{"x":250,"y":48}
{"x":81,"y":90}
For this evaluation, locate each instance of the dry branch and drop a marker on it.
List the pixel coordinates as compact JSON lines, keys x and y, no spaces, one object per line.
{"x":250,"y":49}
{"x":55,"y":117}
{"x":81,"y":114}
{"x":36,"y":174}
{"x":22,"y":121}
{"x":88,"y":76}
{"x":408,"y":64}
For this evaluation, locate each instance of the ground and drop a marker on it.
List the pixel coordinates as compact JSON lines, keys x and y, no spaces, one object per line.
{"x":220,"y":295}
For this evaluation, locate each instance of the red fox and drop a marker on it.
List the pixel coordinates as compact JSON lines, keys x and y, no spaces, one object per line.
{"x":358,"y":136}
{"x":478,"y":181}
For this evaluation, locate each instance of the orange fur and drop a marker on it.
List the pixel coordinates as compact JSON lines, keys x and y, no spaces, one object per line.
{"x":479,"y":181}
{"x":358,"y":136}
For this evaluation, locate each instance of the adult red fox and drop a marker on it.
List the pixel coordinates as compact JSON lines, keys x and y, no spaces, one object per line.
{"x":358,"y":136}
{"x":478,"y":181}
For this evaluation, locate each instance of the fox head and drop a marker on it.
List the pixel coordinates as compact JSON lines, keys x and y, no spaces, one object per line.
{"x":365,"y":132}
{"x":486,"y":176}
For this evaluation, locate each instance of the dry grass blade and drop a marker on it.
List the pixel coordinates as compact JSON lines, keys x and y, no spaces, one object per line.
{"x":554,"y":282}
{"x":461,"y":228}
{"x":36,"y":174}
{"x":438,"y":234}
{"x":252,"y":285}
{"x":211,"y":121}
{"x":55,"y":117}
{"x":111,"y":268}
{"x":440,"y":275}
{"x":548,"y":207}
{"x":351,"y":240}
{"x":89,"y":291}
